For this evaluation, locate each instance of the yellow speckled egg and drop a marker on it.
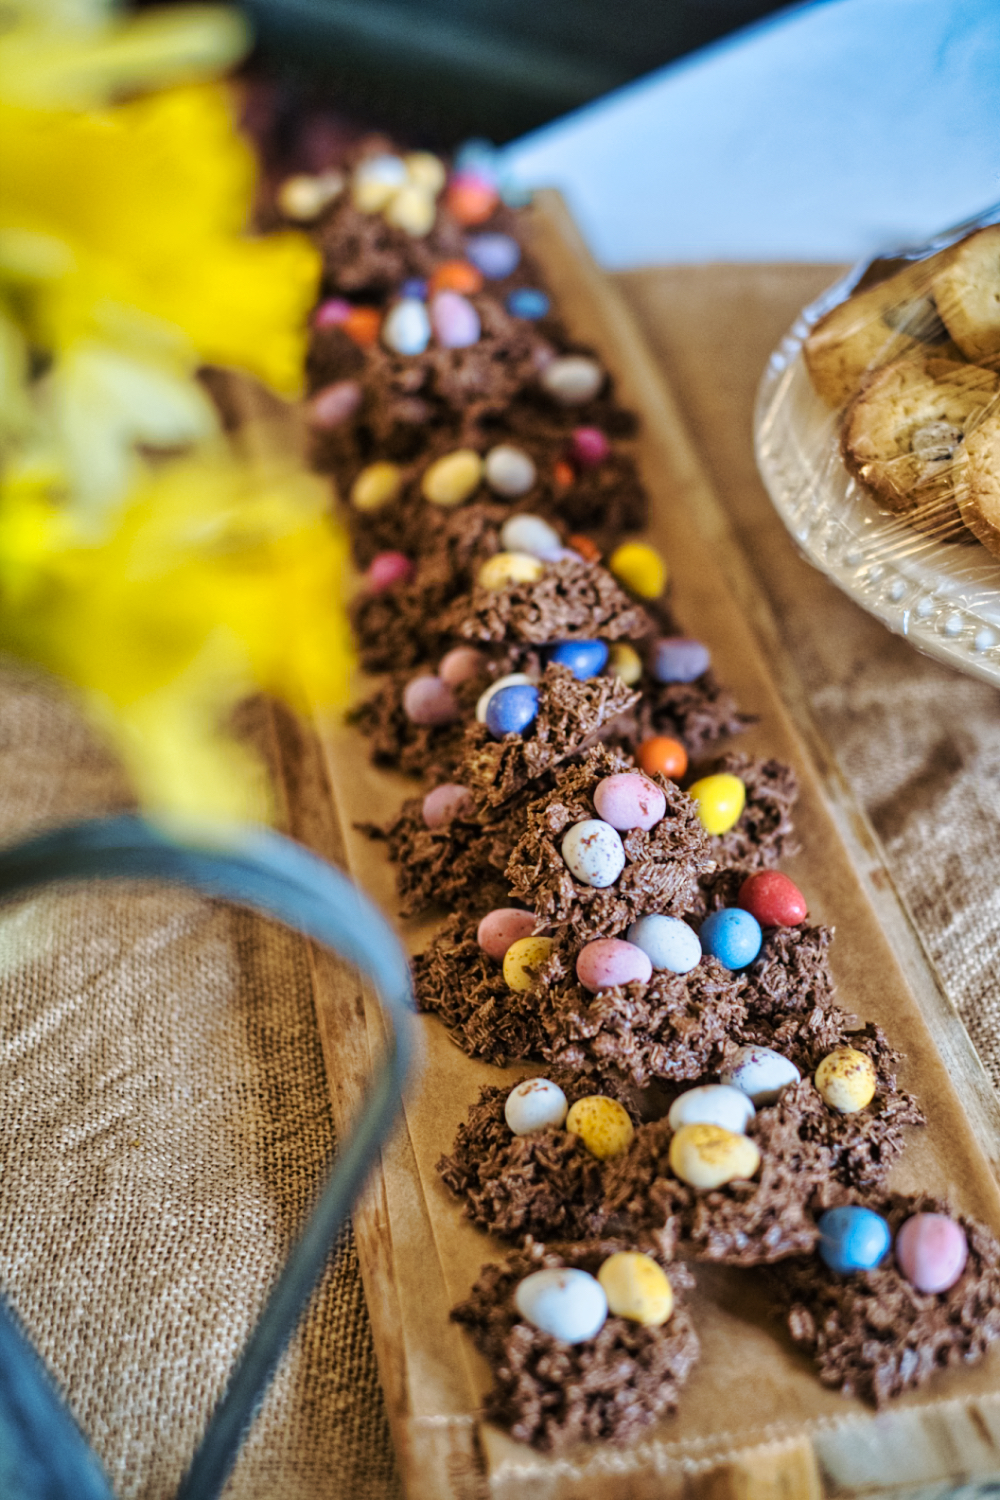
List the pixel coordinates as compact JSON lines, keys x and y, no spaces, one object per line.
{"x":640,"y":568}
{"x":707,"y":1156}
{"x":510,"y":567}
{"x":412,"y":209}
{"x":376,"y":486}
{"x":453,"y":478}
{"x":425,"y":170}
{"x":637,"y":1288}
{"x":522,"y":960}
{"x":721,"y":799}
{"x":846,"y":1079}
{"x":602,"y":1124}
{"x":624,"y":662}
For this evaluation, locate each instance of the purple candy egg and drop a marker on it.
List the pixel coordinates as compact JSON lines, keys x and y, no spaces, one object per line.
{"x":612,"y":961}
{"x":445,"y":803}
{"x":460,"y":664}
{"x":496,"y":255}
{"x":334,"y":404}
{"x":931,"y":1251}
{"x":501,"y":927}
{"x":332,"y":313}
{"x":428,"y":701}
{"x":629,"y":800}
{"x":454,"y":320}
{"x":388,"y":569}
{"x":674,"y":659}
{"x":590,"y":446}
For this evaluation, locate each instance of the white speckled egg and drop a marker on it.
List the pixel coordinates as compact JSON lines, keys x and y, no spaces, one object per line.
{"x":594,"y":853}
{"x":760,"y":1073}
{"x":536,"y":1104}
{"x":567,"y":1303}
{"x":509,"y":471}
{"x":670,"y":943}
{"x":532,"y":535}
{"x":712,"y":1104}
{"x":572,"y":379}
{"x":511,"y":680}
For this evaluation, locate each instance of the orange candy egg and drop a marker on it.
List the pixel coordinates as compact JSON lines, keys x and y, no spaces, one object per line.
{"x":563,"y":474}
{"x":664,"y":755}
{"x":456,"y":276}
{"x":362,"y":324}
{"x":588,"y":550}
{"x":471,"y":200}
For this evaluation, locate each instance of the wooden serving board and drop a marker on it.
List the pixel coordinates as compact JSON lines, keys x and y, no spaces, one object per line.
{"x":754,"y":1420}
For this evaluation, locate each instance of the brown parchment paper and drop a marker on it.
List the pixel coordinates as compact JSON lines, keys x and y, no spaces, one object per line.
{"x":751,"y":1393}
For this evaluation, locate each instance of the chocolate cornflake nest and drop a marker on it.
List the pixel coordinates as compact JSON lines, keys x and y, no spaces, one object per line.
{"x":698,"y":713}
{"x":678,"y":1026}
{"x":363,"y":254}
{"x":546,"y":1184}
{"x":741,"y":1224}
{"x":552,"y":1394}
{"x":573,"y":600}
{"x":571,"y":714}
{"x":427,"y":750}
{"x":662,"y":866}
{"x":872,"y":1334}
{"x":764,"y":834}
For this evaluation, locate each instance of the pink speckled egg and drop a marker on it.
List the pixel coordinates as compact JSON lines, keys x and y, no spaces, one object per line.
{"x":332,"y":313}
{"x":459,"y":665}
{"x":428,"y":701}
{"x":446,"y":802}
{"x":931,"y":1251}
{"x":334,"y":404}
{"x":629,"y":800}
{"x":590,"y":446}
{"x":388,"y":569}
{"x":454,"y":320}
{"x":501,"y":927}
{"x":611,"y":961}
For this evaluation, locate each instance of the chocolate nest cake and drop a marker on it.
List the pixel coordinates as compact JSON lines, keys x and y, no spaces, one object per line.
{"x":552,"y":1394}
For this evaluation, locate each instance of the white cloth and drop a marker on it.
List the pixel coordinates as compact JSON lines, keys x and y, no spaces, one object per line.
{"x":830,"y":132}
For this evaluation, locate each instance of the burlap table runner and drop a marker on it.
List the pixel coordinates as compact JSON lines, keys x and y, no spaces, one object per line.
{"x":165,"y":1122}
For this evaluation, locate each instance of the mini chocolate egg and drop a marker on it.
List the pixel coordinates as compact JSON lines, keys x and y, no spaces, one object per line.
{"x":333,"y":405}
{"x":454,"y":320}
{"x":567,"y":1303}
{"x":602,"y":1124}
{"x":608,"y":962}
{"x":471,"y":199}
{"x":584,"y":658}
{"x":511,"y":709}
{"x":414,"y":286}
{"x":362,"y":326}
{"x":662,"y":754}
{"x":303,"y":197}
{"x":712,"y":1104}
{"x":707,"y":1156}
{"x":572,"y":379}
{"x":847,"y":1080}
{"x":501,"y":927}
{"x":453,"y":478}
{"x":629,"y":800}
{"x":429,"y":701}
{"x":669,"y":943}
{"x":529,"y":303}
{"x":376,"y":179}
{"x":459,"y":665}
{"x":535,"y":1104}
{"x":931,"y":1251}
{"x":407,"y":328}
{"x":674,"y":658}
{"x":721,"y":799}
{"x":636,"y":1288}
{"x":376,"y":486}
{"x":532,"y":535}
{"x":425,"y":170}
{"x":479,"y":156}
{"x":732,"y":936}
{"x":852,"y":1239}
{"x":522,"y":961}
{"x":412,"y":209}
{"x":482,"y":703}
{"x":387,"y":569}
{"x":504,"y":568}
{"x":593,"y":852}
{"x":443,"y":804}
{"x":496,"y":255}
{"x":589,"y":446}
{"x":639,"y":568}
{"x":773,"y":899}
{"x":760,"y":1073}
{"x":625,"y":662}
{"x":510,"y":472}
{"x":456,"y":276}
{"x":332,"y":313}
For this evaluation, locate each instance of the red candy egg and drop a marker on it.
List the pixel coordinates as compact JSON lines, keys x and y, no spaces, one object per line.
{"x":773,"y":899}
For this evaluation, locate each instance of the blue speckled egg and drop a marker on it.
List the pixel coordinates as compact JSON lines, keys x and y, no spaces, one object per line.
{"x":853,"y":1239}
{"x":496,"y":255}
{"x":512,"y":709}
{"x":527,"y":302}
{"x":584,"y":658}
{"x":732,"y":936}
{"x":675,"y":659}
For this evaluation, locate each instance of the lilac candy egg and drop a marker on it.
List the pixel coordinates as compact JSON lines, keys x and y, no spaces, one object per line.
{"x":414,"y":287}
{"x":674,"y":659}
{"x":334,"y":404}
{"x":501,"y":927}
{"x":611,"y":961}
{"x":332,"y":313}
{"x":931,"y":1251}
{"x":460,"y":664}
{"x":496,"y":255}
{"x":388,"y":569}
{"x":593,"y":852}
{"x":454,"y":320}
{"x":629,"y":800}
{"x":445,"y":803}
{"x":428,"y":701}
